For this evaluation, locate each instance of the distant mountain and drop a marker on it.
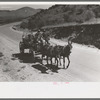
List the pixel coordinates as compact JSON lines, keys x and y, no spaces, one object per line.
{"x":60,"y":14}
{"x":25,"y":12}
{"x":7,"y":16}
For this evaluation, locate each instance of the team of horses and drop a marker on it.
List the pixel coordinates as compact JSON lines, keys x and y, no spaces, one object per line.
{"x":39,"y":44}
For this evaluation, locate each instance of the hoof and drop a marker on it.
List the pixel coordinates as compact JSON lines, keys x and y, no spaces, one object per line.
{"x":67,"y":67}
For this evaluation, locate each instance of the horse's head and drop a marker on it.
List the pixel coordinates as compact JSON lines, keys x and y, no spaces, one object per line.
{"x":70,"y":43}
{"x":67,"y":49}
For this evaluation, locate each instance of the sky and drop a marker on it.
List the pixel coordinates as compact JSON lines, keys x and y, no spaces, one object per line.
{"x":14,"y":7}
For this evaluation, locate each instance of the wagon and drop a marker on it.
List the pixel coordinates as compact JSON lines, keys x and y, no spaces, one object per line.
{"x":23,"y":46}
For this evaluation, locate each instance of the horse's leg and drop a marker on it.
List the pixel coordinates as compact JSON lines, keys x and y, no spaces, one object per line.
{"x":63,"y":62}
{"x":68,"y":61}
{"x":57,"y":61}
{"x":60,"y":60}
{"x":47,"y":60}
{"x":42,"y":60}
{"x":51,"y":60}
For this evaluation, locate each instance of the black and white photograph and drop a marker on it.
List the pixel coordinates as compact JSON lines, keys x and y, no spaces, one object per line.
{"x":49,"y":42}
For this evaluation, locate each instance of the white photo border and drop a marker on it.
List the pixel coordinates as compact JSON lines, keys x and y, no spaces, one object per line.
{"x":49,"y":89}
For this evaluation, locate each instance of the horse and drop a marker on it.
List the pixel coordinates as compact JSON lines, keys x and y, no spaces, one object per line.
{"x":53,"y":52}
{"x":49,"y":51}
{"x":65,"y":52}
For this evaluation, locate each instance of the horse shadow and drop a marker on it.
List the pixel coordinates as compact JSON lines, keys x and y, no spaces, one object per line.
{"x":45,"y":68}
{"x":53,"y":68}
{"x":25,"y":58}
{"x":41,"y":68}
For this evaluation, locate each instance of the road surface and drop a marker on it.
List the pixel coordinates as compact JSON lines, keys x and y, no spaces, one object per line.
{"x":84,"y":66}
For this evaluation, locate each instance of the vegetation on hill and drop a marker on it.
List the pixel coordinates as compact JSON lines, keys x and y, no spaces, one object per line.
{"x":59,"y":14}
{"x":85,"y":34}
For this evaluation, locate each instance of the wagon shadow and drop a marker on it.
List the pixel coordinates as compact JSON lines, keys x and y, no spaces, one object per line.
{"x":25,"y":58}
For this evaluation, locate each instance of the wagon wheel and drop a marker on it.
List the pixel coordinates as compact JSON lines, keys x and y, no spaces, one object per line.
{"x":21,"y":48}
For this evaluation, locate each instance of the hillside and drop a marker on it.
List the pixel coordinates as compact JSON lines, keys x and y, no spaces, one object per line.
{"x":62,"y":20}
{"x":85,"y":34}
{"x":60,"y":14}
{"x":7,"y":16}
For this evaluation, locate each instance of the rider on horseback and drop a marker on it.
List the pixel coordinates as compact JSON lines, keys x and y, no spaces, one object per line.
{"x":38,"y":36}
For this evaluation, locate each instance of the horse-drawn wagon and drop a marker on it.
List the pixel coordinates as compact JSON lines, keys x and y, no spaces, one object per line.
{"x":30,"y":41}
{"x":41,"y":45}
{"x":25,"y":43}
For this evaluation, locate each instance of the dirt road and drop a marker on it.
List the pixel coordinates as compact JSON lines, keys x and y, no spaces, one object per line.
{"x":84,"y":67}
